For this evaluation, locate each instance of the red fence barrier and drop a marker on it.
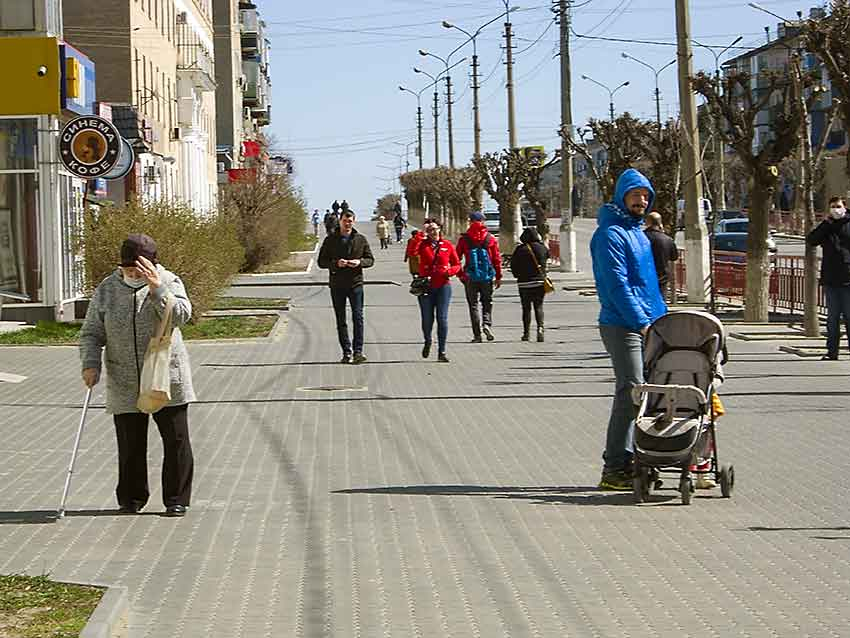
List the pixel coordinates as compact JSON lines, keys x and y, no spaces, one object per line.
{"x":787,"y":280}
{"x":554,"y":249}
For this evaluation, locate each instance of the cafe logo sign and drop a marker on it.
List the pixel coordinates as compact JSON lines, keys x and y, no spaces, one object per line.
{"x":89,"y":146}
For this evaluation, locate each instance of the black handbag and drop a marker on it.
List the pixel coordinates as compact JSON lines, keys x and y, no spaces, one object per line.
{"x":420,"y":286}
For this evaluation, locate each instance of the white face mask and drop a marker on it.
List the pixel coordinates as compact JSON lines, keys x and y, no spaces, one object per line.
{"x":134,"y":282}
{"x":837,"y":212}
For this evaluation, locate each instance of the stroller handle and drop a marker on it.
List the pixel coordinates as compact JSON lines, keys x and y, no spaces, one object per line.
{"x":672,"y":389}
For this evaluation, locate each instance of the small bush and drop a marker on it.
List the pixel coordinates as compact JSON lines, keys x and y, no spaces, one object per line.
{"x":268,"y":214}
{"x":202,"y":250}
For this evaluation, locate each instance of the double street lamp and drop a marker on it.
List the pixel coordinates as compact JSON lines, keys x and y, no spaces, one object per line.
{"x":657,"y":91}
{"x":435,"y":80}
{"x":718,"y":141}
{"x":472,"y":37}
{"x":418,"y":95}
{"x":610,"y":92}
{"x":449,"y":67}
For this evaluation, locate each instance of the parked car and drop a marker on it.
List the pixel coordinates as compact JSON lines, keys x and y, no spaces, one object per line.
{"x":729,"y":214}
{"x":737,"y":225}
{"x":737,"y":243}
{"x":492,"y":221}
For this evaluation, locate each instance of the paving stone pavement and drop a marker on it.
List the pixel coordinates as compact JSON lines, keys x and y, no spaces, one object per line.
{"x":437,"y":500}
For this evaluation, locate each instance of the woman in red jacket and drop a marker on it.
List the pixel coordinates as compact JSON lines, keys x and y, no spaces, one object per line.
{"x":438,"y":261}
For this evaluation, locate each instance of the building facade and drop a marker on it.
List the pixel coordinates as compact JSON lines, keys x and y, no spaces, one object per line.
{"x":157,"y":59}
{"x":41,"y":204}
{"x":244,"y":85}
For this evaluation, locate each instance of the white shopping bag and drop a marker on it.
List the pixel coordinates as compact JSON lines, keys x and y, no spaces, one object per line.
{"x":155,"y":385}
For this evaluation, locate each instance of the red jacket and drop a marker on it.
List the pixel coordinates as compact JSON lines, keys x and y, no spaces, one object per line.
{"x":477,"y":232}
{"x":440,"y":267}
{"x":412,"y":249}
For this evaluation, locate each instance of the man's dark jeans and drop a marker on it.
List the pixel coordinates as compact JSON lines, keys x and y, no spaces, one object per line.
{"x":837,"y":305}
{"x":474,"y":290}
{"x":353,"y":296}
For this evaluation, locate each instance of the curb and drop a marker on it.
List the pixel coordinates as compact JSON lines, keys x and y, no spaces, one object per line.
{"x":110,"y":616}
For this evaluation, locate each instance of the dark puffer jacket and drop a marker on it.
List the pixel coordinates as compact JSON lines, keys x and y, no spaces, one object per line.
{"x":522,"y":265}
{"x":833,"y":236}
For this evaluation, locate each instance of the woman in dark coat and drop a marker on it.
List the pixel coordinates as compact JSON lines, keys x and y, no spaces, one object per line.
{"x":528,"y":265}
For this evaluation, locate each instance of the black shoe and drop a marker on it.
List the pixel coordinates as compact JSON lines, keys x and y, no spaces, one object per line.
{"x":442,"y":358}
{"x":476,"y":339}
{"x":540,"y":335}
{"x":346,"y":358}
{"x":132,"y":508}
{"x":829,"y":357}
{"x":359,"y":358}
{"x":488,"y":332}
{"x":426,"y":350}
{"x":176,"y":510}
{"x":524,"y":337}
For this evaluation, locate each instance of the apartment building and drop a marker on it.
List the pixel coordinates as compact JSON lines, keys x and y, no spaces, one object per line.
{"x":158,"y":76}
{"x":243,"y":104}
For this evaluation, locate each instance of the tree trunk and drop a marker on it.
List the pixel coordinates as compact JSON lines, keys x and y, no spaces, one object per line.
{"x":415,"y":208}
{"x":756,"y":294}
{"x":507,"y":226}
{"x":811,"y":322}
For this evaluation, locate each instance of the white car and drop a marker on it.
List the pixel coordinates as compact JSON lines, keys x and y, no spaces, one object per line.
{"x":492,"y":221}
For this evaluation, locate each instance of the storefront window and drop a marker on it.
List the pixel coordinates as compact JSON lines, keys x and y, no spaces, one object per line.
{"x":17,"y":144}
{"x":20,"y":267}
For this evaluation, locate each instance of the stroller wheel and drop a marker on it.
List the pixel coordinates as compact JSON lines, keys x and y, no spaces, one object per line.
{"x":685,"y":489}
{"x":727,"y":480}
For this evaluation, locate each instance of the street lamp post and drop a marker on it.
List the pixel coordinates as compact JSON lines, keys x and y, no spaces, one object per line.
{"x":449,"y":67}
{"x":472,"y":37}
{"x":418,"y":120}
{"x":610,"y":92}
{"x":657,"y":90}
{"x":406,"y":153}
{"x":509,"y":80}
{"x":436,"y":110}
{"x":718,"y":141}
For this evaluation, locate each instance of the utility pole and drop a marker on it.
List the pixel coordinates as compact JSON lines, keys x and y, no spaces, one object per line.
{"x":436,"y":126}
{"x":475,"y":111}
{"x":567,"y":232}
{"x":419,"y":134}
{"x":696,"y":237}
{"x":449,"y":104}
{"x":509,"y":84}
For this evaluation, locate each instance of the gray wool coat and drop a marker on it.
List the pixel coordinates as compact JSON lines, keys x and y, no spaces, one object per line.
{"x":123,"y":320}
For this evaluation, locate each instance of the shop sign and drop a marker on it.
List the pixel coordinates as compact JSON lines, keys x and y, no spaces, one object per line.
{"x":89,"y":146}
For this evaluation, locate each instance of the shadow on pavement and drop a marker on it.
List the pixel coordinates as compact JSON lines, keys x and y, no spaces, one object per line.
{"x":36,"y":517}
{"x":568,"y":495}
{"x":335,"y":362}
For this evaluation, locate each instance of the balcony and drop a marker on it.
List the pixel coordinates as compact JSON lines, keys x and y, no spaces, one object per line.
{"x":195,"y":62}
{"x":252,"y":92}
{"x":249,"y":22}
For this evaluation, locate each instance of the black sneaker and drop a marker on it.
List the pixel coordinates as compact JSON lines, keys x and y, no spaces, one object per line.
{"x":175,"y":510}
{"x":540,"y":338}
{"x":488,"y":332}
{"x":829,"y":357}
{"x":132,"y":508}
{"x":426,"y":350}
{"x":620,"y":481}
{"x":359,"y":358}
{"x":346,"y":358}
{"x":524,"y":336}
{"x":476,"y":339}
{"x":442,"y":358}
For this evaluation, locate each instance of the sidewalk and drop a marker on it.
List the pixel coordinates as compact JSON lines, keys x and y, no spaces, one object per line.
{"x":410,"y":498}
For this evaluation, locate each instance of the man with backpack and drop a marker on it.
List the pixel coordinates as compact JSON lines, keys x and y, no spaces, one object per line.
{"x":479,"y":252}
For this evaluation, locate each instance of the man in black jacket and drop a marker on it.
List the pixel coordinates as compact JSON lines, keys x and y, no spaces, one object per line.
{"x":664,"y":251}
{"x":833,"y":236}
{"x":345,"y":254}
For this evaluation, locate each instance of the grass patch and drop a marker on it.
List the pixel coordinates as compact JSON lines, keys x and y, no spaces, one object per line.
{"x":51,"y":333}
{"x":230,"y":328}
{"x":249,"y":303}
{"x":291,"y":263}
{"x":36,"y":607}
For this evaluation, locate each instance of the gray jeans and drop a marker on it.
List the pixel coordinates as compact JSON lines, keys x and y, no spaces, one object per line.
{"x":625,"y":348}
{"x":484,"y":290}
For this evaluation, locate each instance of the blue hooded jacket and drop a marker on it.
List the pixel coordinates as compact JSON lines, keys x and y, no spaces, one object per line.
{"x":623,"y":266}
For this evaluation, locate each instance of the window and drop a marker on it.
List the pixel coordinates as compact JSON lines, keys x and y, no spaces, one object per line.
{"x":20,"y":267}
{"x":17,"y":16}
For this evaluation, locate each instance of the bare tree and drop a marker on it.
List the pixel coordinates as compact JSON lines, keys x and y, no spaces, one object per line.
{"x":737,"y":108}
{"x":503,"y":175}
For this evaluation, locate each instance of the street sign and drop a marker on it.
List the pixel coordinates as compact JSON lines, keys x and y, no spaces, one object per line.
{"x":125,"y":163}
{"x":89,"y":146}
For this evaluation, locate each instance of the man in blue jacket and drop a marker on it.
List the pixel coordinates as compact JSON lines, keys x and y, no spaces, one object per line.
{"x":627,"y":286}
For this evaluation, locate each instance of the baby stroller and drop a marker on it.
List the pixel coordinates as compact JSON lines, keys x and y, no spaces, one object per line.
{"x":683,"y":355}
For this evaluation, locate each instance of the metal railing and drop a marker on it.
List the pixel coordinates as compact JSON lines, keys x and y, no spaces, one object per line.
{"x":787,"y":280}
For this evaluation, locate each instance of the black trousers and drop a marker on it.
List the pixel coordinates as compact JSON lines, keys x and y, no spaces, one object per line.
{"x":531,"y":297}
{"x":131,"y":430}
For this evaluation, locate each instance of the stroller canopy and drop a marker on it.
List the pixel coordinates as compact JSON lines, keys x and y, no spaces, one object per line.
{"x":686,"y":330}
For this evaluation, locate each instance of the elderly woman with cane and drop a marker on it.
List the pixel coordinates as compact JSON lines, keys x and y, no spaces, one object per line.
{"x":126,"y":311}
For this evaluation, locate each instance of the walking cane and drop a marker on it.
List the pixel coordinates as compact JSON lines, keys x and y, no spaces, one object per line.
{"x":61,"y":512}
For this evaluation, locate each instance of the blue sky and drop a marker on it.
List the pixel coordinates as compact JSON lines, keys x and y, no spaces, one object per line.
{"x":337,"y":65}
